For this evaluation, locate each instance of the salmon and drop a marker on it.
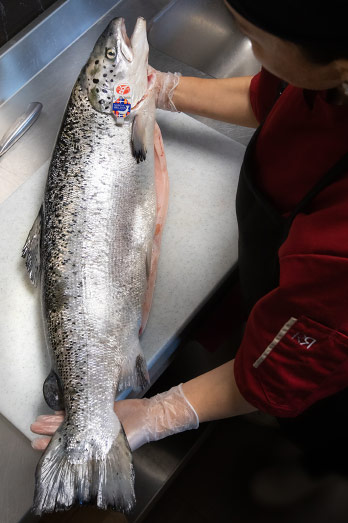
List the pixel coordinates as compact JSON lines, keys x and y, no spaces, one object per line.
{"x":93,"y":251}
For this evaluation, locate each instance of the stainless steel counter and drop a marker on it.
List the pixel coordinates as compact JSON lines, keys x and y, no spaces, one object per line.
{"x":46,"y":45}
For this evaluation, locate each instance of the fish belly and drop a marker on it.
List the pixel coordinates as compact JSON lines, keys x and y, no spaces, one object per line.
{"x":162,"y":198}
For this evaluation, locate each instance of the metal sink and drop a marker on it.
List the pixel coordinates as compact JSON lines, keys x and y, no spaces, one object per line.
{"x":203,"y":35}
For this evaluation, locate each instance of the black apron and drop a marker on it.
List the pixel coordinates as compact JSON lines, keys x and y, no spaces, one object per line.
{"x":322,"y":430}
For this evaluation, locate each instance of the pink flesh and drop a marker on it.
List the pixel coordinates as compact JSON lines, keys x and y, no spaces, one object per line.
{"x":162,"y":195}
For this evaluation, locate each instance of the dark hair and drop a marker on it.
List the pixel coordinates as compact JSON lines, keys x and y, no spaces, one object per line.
{"x":318,"y":29}
{"x":324,"y":53}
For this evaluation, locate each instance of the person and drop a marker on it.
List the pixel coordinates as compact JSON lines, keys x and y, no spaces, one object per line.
{"x":292,"y":211}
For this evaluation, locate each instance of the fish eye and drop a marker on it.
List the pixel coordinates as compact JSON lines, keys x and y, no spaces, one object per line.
{"x":110,"y":53}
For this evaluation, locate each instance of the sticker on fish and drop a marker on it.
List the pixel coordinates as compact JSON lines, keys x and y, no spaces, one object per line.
{"x":122,"y":102}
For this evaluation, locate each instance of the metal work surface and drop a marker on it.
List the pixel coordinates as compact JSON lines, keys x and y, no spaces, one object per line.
{"x":204,"y":35}
{"x":41,"y":64}
{"x":21,"y":62}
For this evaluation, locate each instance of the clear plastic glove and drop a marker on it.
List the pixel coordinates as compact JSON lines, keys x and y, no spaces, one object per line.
{"x":164,"y":88}
{"x":155,"y":418}
{"x":144,"y":420}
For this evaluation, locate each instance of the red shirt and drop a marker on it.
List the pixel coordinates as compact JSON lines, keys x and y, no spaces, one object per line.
{"x":295,"y":347}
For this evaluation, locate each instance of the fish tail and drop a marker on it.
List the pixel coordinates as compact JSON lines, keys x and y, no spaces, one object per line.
{"x":134,"y":371}
{"x":63,"y":480}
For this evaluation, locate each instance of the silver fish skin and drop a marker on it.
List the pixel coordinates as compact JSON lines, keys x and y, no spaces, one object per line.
{"x":90,"y":251}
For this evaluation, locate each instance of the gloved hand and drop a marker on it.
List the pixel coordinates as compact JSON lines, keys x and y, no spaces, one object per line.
{"x":143,"y":420}
{"x":164,"y":88}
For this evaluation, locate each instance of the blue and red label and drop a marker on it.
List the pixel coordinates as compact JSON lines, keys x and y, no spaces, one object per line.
{"x":121,"y":107}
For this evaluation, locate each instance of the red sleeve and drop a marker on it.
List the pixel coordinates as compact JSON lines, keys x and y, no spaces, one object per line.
{"x":264,"y":90}
{"x":295,"y":348}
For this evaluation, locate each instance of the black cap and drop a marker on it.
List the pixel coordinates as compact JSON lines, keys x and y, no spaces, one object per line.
{"x":299,"y":21}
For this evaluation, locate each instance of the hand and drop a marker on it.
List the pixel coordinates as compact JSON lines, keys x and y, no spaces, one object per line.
{"x":46,"y":424}
{"x":164,"y":88}
{"x":146,"y":420}
{"x":143,"y":420}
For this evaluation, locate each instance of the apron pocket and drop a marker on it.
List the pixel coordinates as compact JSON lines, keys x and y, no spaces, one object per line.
{"x":305,"y":362}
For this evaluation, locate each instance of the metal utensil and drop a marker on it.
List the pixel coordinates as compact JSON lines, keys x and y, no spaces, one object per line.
{"x":20,"y":126}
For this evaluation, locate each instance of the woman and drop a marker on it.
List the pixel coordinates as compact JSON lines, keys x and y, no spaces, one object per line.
{"x":293,"y":229}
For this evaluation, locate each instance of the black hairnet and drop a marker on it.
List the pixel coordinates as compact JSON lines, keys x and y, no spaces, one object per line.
{"x":300,"y":21}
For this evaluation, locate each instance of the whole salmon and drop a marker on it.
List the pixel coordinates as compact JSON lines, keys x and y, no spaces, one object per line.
{"x":90,"y":250}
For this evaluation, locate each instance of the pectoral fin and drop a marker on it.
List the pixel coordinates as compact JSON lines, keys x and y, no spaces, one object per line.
{"x":134,"y":371}
{"x":139,"y":138}
{"x":31,"y":249}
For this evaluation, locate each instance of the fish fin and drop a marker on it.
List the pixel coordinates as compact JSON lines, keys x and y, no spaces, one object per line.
{"x":31,"y":249}
{"x":53,"y":392}
{"x":84,"y":476}
{"x":134,"y":371}
{"x":139,"y":138}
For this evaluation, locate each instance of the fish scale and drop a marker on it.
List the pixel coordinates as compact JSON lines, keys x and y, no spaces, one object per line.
{"x":89,"y":251}
{"x":92,"y":198}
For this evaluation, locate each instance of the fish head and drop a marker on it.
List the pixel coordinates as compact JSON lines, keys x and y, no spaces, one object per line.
{"x":117,"y":60}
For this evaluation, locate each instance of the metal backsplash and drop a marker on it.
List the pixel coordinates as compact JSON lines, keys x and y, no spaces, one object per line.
{"x":44,"y":39}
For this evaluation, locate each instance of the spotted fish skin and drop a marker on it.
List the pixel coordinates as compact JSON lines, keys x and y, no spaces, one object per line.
{"x":97,"y":226}
{"x":99,"y":217}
